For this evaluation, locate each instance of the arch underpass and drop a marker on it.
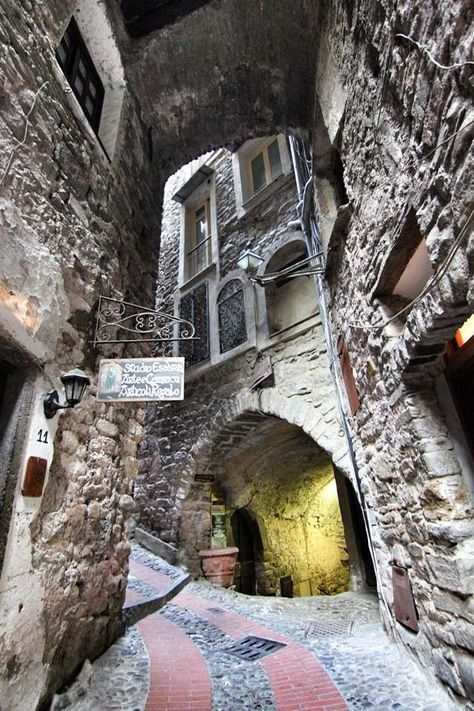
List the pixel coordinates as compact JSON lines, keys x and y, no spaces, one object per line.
{"x":282,"y":510}
{"x":381,"y":93}
{"x":225,"y":73}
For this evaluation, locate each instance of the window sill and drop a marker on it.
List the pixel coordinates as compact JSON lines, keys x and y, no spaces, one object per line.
{"x":197,"y":278}
{"x":251,"y":202}
{"x":193,"y":372}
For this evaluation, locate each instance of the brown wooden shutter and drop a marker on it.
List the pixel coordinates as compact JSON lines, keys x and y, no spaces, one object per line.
{"x":403,"y":600}
{"x":348,"y":376}
{"x":34,"y":477}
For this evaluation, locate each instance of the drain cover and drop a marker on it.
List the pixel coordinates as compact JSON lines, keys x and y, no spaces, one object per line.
{"x":325,"y":628}
{"x":252,"y":648}
{"x":216,"y":610}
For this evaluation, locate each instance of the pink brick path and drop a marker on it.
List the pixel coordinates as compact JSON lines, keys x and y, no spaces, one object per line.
{"x":179,"y":678}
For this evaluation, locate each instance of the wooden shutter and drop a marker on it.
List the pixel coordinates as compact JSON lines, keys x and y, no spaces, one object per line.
{"x":348,"y":376}
{"x":403,"y":600}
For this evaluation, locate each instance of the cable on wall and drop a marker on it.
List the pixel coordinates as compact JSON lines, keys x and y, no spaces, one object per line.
{"x":313,"y":241}
{"x":432,"y":282}
{"x":424,"y":49}
{"x":25,"y":133}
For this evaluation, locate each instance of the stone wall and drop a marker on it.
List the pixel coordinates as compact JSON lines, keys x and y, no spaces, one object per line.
{"x":405,"y":132}
{"x":334,"y":72}
{"x":71,"y":227}
{"x":286,"y":484}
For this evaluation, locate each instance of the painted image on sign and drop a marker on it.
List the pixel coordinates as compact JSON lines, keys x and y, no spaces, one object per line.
{"x":141,"y":379}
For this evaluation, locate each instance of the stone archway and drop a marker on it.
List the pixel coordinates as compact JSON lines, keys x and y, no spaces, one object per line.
{"x":209,"y":422}
{"x":272,"y":402}
{"x":282,"y":507}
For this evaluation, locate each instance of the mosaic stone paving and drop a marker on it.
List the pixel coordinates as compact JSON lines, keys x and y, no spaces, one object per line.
{"x":372,"y":673}
{"x":343,"y":632}
{"x":246,"y":687}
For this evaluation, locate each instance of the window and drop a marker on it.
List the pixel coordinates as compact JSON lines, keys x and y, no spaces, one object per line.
{"x":77,"y":65}
{"x":405,"y":273}
{"x":198,"y":243}
{"x":265,"y":166}
{"x":199,"y":253}
{"x":194,"y":307}
{"x":259,"y":165}
{"x":232,"y":326}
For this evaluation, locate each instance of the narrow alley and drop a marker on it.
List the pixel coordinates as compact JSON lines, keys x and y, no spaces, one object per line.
{"x":331,"y":654}
{"x":236,"y":355}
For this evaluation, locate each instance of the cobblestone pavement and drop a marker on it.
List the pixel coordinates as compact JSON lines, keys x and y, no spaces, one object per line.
{"x":345,"y":634}
{"x":335,"y":654}
{"x":119,"y":680}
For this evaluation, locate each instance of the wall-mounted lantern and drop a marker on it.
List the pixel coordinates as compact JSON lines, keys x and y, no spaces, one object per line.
{"x":249,"y":262}
{"x":75,"y":383}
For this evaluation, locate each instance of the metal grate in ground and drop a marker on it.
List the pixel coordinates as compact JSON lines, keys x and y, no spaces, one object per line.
{"x":332,"y":628}
{"x":252,"y":648}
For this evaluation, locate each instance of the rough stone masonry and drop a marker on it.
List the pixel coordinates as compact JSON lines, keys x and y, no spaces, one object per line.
{"x":74,"y":225}
{"x":71,"y":228}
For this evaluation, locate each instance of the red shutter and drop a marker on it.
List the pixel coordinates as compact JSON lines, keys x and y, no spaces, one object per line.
{"x":34,"y":477}
{"x":348,"y":376}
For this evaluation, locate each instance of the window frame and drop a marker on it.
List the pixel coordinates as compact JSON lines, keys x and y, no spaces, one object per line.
{"x":263,"y":150}
{"x":203,"y":194}
{"x":70,"y":66}
{"x":245,"y":199}
{"x":192,"y":245}
{"x":193,"y":346}
{"x":220,"y":300}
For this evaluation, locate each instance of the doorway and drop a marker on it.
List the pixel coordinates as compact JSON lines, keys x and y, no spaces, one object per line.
{"x":367,"y":564}
{"x":12,"y":395}
{"x":248,"y":540}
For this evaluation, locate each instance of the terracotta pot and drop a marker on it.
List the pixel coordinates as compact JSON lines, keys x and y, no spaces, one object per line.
{"x":218,"y":565}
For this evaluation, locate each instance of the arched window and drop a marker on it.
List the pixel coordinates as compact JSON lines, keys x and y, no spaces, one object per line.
{"x":231,"y":308}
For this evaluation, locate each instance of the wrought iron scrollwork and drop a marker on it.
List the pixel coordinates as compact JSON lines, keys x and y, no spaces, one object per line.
{"x":232,"y":326}
{"x":123,"y":322}
{"x":194,"y":308}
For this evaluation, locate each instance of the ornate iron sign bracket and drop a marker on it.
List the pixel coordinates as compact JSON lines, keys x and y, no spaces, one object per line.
{"x":122,"y":322}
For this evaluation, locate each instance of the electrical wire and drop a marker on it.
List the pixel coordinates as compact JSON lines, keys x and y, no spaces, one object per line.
{"x":314,"y":243}
{"x":423,"y":48}
{"x":438,"y":145}
{"x":25,"y":133}
{"x":432,"y":282}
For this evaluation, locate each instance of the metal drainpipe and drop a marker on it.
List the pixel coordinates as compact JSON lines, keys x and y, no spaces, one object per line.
{"x":314,"y":244}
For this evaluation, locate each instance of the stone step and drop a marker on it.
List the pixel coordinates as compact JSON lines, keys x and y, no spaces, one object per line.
{"x":151,"y":600}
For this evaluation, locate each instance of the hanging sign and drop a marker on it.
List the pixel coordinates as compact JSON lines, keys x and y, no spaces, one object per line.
{"x":209,"y":478}
{"x":141,"y":379}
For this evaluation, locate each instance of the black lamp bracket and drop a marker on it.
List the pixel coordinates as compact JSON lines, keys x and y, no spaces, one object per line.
{"x":51,"y":404}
